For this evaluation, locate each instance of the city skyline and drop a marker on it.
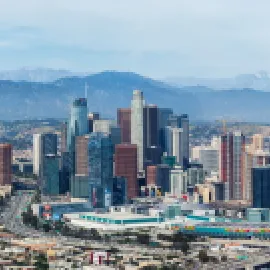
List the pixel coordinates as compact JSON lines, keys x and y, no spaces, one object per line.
{"x":201,"y":39}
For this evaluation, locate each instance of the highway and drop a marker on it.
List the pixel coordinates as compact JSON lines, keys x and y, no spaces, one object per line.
{"x":12,"y":220}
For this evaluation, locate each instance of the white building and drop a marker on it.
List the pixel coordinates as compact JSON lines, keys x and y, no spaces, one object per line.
{"x":103,"y":125}
{"x":43,"y":144}
{"x":208,"y":156}
{"x":175,"y":143}
{"x":137,"y":105}
{"x":36,"y":153}
{"x":178,"y":181}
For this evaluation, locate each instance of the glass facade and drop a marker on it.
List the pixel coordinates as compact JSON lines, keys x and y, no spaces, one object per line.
{"x":78,"y":122}
{"x":100,"y":159}
{"x":108,"y":220}
{"x":50,"y":185}
{"x":261,"y":187}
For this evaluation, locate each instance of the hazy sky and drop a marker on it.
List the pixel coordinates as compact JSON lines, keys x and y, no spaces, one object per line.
{"x":159,"y":38}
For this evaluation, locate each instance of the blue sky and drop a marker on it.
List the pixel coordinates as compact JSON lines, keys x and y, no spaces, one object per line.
{"x":158,"y":38}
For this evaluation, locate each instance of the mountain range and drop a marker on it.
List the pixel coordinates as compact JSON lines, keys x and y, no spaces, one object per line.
{"x":110,"y":90}
{"x":37,"y":74}
{"x":259,"y":81}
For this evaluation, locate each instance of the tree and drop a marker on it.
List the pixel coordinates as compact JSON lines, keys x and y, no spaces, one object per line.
{"x":41,"y":262}
{"x":203,"y":257}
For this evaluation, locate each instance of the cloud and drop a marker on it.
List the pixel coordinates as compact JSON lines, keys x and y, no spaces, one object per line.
{"x":155,"y":37}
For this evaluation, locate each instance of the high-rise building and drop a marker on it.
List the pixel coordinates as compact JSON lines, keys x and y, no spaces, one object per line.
{"x":151,"y":175}
{"x":79,"y":186}
{"x":208,"y":156}
{"x":163,"y":116}
{"x":150,"y":126}
{"x":178,"y":181}
{"x":100,"y":157}
{"x":78,"y":122}
{"x":36,"y":153}
{"x":50,"y":177}
{"x":126,"y":166}
{"x":257,"y":142}
{"x":43,"y":144}
{"x":103,"y":125}
{"x":65,"y":172}
{"x":63,"y":147}
{"x":124,"y":122}
{"x":196,"y":174}
{"x":182,"y":121}
{"x":119,"y":191}
{"x":91,"y":118}
{"x":109,"y":127}
{"x":174,"y":144}
{"x":261,"y":187}
{"x":253,"y":157}
{"x":81,"y":155}
{"x":232,"y":161}
{"x":137,"y":133}
{"x":159,"y":176}
{"x":5,"y":164}
{"x":153,"y":155}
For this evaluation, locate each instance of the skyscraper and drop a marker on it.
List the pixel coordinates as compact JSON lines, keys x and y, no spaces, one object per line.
{"x":150,"y":128}
{"x":78,"y":122}
{"x":208,"y":156}
{"x":254,"y":156}
{"x":100,"y":157}
{"x":126,"y":166}
{"x":81,"y":156}
{"x":64,"y":128}
{"x":178,"y":181}
{"x":91,"y":118}
{"x":79,"y":186}
{"x":163,"y":116}
{"x":261,"y":187}
{"x":182,"y":121}
{"x":45,"y":158}
{"x":124,"y":122}
{"x":159,"y":176}
{"x":36,"y":153}
{"x":232,"y":160}
{"x":5,"y":164}
{"x":43,"y":144}
{"x":174,"y":144}
{"x":50,"y":175}
{"x":109,"y":127}
{"x":137,"y":134}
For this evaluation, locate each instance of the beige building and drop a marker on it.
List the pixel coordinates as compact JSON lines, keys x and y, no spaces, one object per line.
{"x":255,"y":155}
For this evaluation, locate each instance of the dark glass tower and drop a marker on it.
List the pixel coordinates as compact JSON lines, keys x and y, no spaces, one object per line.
{"x":100,"y":157}
{"x":261,"y":187}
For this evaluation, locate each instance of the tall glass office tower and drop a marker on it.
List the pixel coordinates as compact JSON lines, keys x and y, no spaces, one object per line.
{"x":100,"y":157}
{"x":137,"y":105}
{"x":78,"y":122}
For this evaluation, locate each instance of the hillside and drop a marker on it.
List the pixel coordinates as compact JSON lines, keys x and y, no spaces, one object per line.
{"x":110,"y":90}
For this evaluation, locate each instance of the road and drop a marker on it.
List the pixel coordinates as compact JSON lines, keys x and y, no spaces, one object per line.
{"x":11,"y":218}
